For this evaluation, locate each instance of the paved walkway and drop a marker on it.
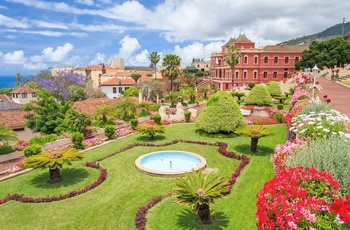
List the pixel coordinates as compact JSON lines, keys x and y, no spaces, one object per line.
{"x":339,"y":95}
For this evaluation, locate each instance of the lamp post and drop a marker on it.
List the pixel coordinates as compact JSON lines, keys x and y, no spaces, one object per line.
{"x":314,"y":72}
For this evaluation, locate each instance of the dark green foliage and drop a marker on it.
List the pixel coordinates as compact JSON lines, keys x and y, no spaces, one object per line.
{"x":76,"y":122}
{"x":291,"y":90}
{"x":77,"y":140}
{"x":251,"y":85}
{"x":157,"y":119}
{"x":258,"y":96}
{"x":279,"y":117}
{"x":154,"y":107}
{"x":274,"y":88}
{"x":6,"y":148}
{"x":280,"y":106}
{"x":134,"y":123}
{"x":187,"y":116}
{"x":221,"y":114}
{"x":6,"y":91}
{"x":41,"y":140}
{"x":109,"y":131}
{"x":238,"y":95}
{"x":32,"y":150}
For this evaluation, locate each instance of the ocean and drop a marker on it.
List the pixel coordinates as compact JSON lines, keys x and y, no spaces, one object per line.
{"x":9,"y":81}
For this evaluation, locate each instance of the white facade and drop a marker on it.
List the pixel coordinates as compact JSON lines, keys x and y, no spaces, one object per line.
{"x":23,"y":98}
{"x":114,"y":91}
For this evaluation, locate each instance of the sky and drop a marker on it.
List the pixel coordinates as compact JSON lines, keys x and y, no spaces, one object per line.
{"x":38,"y":34}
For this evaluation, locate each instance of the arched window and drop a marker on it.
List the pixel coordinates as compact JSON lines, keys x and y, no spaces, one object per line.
{"x":245,"y":74}
{"x":255,"y":59}
{"x":275,"y":60}
{"x":296,"y":59}
{"x":266,"y":60}
{"x":265,"y":74}
{"x":245,"y":59}
{"x":255,"y":75}
{"x":237,"y":74}
{"x":274,"y":75}
{"x":286,"y":60}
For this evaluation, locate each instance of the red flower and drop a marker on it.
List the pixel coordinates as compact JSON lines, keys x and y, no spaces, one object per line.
{"x":325,"y":96}
{"x":342,"y":208}
{"x":328,"y":100}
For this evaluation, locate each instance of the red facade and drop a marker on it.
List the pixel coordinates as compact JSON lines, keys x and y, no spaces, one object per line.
{"x":258,"y":65}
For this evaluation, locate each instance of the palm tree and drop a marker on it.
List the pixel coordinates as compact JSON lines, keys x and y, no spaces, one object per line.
{"x":198,"y":191}
{"x":7,"y":135}
{"x":231,"y":57}
{"x":205,"y":90}
{"x":171,"y":62}
{"x":103,"y":113}
{"x":54,"y":160}
{"x":18,"y":79}
{"x":254,"y":132}
{"x":136,"y":77}
{"x":172,"y":97}
{"x":75,"y":121}
{"x":150,"y":130}
{"x":154,"y":57}
{"x":126,"y":109}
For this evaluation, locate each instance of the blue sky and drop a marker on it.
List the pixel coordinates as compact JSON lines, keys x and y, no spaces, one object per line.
{"x":38,"y":34}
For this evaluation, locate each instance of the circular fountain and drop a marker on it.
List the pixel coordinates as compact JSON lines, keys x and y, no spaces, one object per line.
{"x":169,"y":163}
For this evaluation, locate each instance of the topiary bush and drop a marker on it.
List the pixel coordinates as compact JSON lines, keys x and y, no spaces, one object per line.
{"x":274,"y":88}
{"x":109,"y":131}
{"x":187,"y":116}
{"x":258,"y":96}
{"x":157,"y":119}
{"x":280,"y":106}
{"x":221,"y":114}
{"x":251,"y":85}
{"x":77,"y":140}
{"x":32,"y":150}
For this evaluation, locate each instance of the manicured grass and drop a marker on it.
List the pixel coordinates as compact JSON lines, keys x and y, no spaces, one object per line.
{"x":114,"y":203}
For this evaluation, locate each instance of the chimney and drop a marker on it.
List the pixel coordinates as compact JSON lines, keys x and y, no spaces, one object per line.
{"x":282,"y":47}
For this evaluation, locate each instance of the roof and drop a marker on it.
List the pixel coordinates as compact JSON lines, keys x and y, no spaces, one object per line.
{"x":24,"y":89}
{"x":13,"y":118}
{"x":118,"y":81}
{"x":5,"y":98}
{"x":230,"y":42}
{"x":90,"y":106}
{"x":286,"y":48}
{"x":243,"y":38}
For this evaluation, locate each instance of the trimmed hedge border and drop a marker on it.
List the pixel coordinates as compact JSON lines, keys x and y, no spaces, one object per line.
{"x":140,"y":220}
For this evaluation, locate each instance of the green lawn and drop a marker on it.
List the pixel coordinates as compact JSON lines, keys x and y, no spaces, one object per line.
{"x":113,"y":204}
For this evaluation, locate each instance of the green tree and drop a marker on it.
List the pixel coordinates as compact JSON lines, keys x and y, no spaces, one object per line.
{"x":204,"y":90}
{"x":104,"y":113}
{"x":92,"y":92}
{"x":76,"y":122}
{"x":274,"y":88}
{"x":221,"y":114}
{"x":136,"y":77}
{"x":150,"y":130}
{"x":231,"y":57}
{"x":171,"y":62}
{"x":258,"y":96}
{"x":126,"y":109}
{"x":131,"y":92}
{"x":47,"y":114}
{"x":172,"y":97}
{"x":7,"y":135}
{"x":198,"y":191}
{"x":18,"y":79}
{"x":254,"y":132}
{"x":154,"y":57}
{"x":54,"y":160}
{"x":76,"y":93}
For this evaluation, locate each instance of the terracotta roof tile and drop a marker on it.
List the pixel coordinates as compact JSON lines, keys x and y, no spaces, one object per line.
{"x":5,"y":98}
{"x":24,"y":89}
{"x":118,"y":81}
{"x":13,"y":118}
{"x":287,"y":48}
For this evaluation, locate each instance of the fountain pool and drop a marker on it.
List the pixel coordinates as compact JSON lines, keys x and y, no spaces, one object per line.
{"x":169,"y":163}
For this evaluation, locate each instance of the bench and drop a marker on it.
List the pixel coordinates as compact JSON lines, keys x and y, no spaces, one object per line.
{"x":245,"y":112}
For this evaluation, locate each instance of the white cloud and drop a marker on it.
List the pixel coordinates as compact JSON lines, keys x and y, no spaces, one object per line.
{"x":13,"y":23}
{"x":128,"y":47}
{"x":17,"y":57}
{"x":51,"y":55}
{"x":36,"y":66}
{"x":50,"y":25}
{"x":85,"y":2}
{"x":99,"y":58}
{"x":141,"y":59}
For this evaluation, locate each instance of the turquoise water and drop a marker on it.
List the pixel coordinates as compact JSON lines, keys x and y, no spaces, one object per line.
{"x":9,"y":81}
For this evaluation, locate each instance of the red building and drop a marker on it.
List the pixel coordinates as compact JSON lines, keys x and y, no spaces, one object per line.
{"x":258,"y":65}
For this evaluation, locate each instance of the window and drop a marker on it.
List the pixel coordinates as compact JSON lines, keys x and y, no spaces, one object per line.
{"x":245,"y":75}
{"x":33,"y":94}
{"x":120,"y":90}
{"x":245,"y":59}
{"x":255,"y":76}
{"x":296,"y":59}
{"x":265,"y":74}
{"x":255,"y":60}
{"x":275,"y":60}
{"x":237,"y":74}
{"x":114,"y":90}
{"x":266,"y":60}
{"x":286,"y":60}
{"x":219,"y":61}
{"x":285,"y":75}
{"x":24,"y":95}
{"x":274,"y":75}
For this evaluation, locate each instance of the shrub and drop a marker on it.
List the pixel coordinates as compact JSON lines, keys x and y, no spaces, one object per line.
{"x":6,"y":148}
{"x":279,"y":106}
{"x":157,"y":119}
{"x":32,"y":150}
{"x":43,"y":139}
{"x":109,"y":131}
{"x":258,"y":96}
{"x":154,"y":107}
{"x":331,"y":155}
{"x":187,"y":116}
{"x":227,"y":118}
{"x":77,"y":140}
{"x":251,"y":85}
{"x":151,"y":130}
{"x":316,"y":107}
{"x":134,"y":123}
{"x":274,"y":88}
{"x":279,"y":117}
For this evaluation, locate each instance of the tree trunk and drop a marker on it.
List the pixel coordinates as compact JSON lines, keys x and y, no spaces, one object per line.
{"x":254,"y":144}
{"x":55,"y":175}
{"x":203,"y":212}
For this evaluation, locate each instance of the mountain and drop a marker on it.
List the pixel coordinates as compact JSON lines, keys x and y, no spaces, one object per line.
{"x":331,"y":32}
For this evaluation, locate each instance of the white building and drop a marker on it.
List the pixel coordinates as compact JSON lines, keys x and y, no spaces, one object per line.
{"x":114,"y":87}
{"x":23,"y":95}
